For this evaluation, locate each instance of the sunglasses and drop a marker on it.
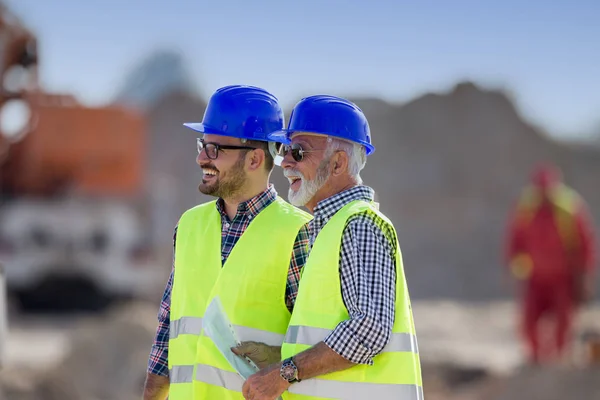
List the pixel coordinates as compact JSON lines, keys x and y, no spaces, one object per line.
{"x":296,"y":150}
{"x":212,"y":149}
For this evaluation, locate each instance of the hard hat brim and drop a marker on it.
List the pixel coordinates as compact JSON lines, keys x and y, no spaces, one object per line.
{"x":281,"y":136}
{"x":200,"y":127}
{"x":203,"y":128}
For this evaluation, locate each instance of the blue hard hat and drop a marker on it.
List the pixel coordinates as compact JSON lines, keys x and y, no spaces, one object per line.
{"x":245,"y":112}
{"x":327,"y":115}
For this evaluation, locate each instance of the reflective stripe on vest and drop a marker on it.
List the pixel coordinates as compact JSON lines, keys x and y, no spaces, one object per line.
{"x":181,"y":374}
{"x":251,"y":289}
{"x":185,"y":326}
{"x":356,"y":390}
{"x":218,"y":377}
{"x":193,"y":326}
{"x":310,"y":336}
{"x":317,"y":388}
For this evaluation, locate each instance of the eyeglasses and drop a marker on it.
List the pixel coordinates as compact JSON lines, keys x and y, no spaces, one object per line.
{"x":212,"y":149}
{"x":296,"y":150}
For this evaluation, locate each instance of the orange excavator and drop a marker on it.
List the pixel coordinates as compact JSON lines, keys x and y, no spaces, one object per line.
{"x":71,"y":184}
{"x":50,"y":142}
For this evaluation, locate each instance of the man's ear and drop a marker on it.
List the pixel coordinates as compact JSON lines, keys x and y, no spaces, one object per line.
{"x":255,"y":159}
{"x":339,"y":163}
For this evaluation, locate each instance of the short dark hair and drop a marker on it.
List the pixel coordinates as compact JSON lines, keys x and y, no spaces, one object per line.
{"x":260,"y":144}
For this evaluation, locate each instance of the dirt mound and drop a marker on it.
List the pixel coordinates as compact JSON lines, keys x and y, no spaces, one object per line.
{"x":552,"y":384}
{"x":107,"y":361}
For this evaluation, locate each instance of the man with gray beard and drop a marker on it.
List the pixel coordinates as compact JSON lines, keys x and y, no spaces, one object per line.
{"x":352,"y":333}
{"x":246,"y":248}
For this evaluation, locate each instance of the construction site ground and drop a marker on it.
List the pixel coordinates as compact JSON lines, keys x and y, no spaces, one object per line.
{"x":469,"y":352}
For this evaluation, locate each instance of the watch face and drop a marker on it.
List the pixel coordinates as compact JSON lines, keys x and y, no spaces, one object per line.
{"x":288,"y":371}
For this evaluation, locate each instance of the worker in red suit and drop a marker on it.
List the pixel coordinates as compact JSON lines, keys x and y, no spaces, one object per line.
{"x":550,"y":250}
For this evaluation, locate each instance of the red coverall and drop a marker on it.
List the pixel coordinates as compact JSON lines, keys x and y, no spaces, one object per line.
{"x":553,"y":286}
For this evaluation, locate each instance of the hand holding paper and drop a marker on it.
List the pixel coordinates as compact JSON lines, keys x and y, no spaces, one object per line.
{"x":219,"y":329}
{"x":261,"y":354}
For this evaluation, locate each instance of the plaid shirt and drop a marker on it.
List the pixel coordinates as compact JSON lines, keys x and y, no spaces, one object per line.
{"x":367,"y":275}
{"x":231,"y":231}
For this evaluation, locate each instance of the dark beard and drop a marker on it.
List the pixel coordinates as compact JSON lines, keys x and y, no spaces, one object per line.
{"x":233,"y":183}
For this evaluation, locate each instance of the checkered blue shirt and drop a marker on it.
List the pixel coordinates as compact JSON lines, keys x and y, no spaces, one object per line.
{"x":367,"y":275}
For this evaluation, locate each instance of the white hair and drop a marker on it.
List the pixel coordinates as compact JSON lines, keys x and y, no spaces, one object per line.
{"x":357,"y":155}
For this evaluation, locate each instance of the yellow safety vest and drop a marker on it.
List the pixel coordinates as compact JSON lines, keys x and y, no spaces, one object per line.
{"x":251,"y":287}
{"x":319,"y":308}
{"x":565,"y":202}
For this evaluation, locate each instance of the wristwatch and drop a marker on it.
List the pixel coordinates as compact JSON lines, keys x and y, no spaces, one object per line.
{"x":289,"y":371}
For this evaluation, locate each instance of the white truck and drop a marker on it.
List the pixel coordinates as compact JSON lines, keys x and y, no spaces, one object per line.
{"x":74,"y":253}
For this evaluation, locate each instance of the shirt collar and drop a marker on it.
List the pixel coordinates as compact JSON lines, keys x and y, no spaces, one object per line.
{"x":327,"y":208}
{"x":254,"y":206}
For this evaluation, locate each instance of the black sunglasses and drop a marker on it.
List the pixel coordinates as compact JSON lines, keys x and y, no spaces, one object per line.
{"x":212,"y":149}
{"x":296,"y":150}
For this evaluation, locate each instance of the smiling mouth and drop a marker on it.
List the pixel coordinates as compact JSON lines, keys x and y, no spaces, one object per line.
{"x":295,"y":182}
{"x":208,"y":173}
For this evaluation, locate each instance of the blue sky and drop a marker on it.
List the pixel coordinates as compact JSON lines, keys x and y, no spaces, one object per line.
{"x":547,"y":54}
